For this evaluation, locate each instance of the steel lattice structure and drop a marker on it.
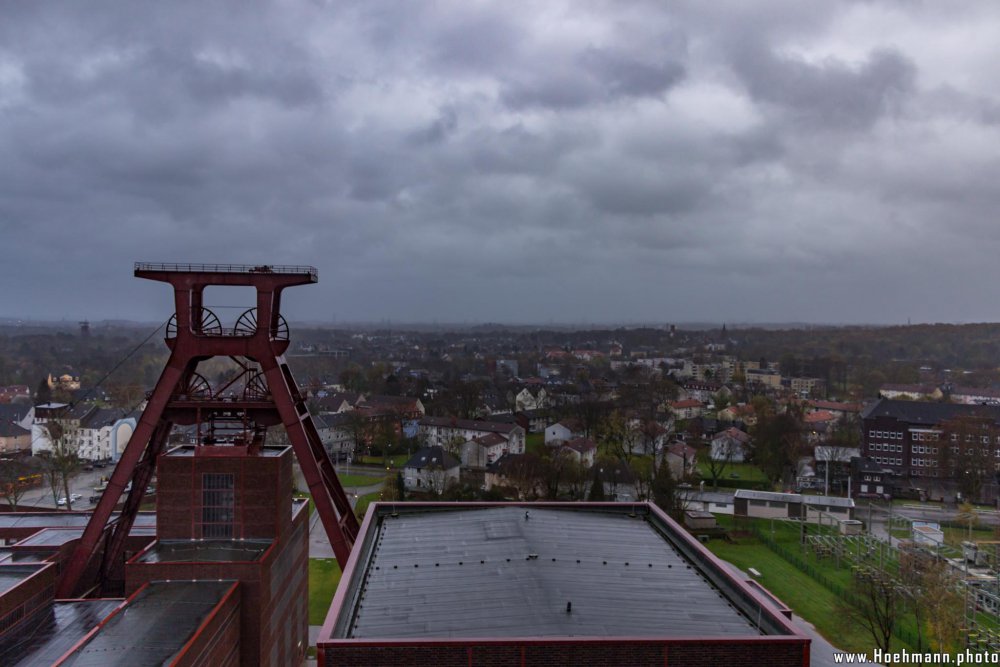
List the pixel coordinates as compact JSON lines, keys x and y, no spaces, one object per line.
{"x":267,"y":396}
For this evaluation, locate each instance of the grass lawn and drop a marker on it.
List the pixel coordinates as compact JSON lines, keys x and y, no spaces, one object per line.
{"x":359,"y":480}
{"x":534,"y":443}
{"x":364,"y":501}
{"x":806,"y":597}
{"x":744,"y":471}
{"x":826,"y":574}
{"x":397,"y":461}
{"x":324,"y":575}
{"x":954,"y":535}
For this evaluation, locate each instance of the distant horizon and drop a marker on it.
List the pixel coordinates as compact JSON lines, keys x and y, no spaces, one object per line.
{"x":691,"y":325}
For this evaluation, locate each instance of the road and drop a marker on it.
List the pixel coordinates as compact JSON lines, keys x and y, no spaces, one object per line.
{"x":877,"y":514}
{"x":82,"y":483}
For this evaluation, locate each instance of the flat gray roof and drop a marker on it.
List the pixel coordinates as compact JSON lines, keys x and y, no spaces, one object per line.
{"x":489,"y":572}
{"x":56,"y":537}
{"x":205,"y":551}
{"x":52,"y":631}
{"x":12,"y":575}
{"x":63,"y":519}
{"x":153,"y":627}
{"x":268,"y":451}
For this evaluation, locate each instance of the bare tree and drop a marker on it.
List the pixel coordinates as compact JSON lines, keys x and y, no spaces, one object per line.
{"x":61,"y":463}
{"x":878,"y":603}
{"x":619,"y":436}
{"x":643,"y":470}
{"x":526,"y":473}
{"x":933,"y":595}
{"x":14,"y":474}
{"x":720,"y":456}
{"x":966,"y":455}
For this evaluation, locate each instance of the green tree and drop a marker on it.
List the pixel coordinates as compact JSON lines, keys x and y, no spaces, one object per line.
{"x":619,"y":436}
{"x":664,"y":490}
{"x":43,"y":394}
{"x":776,"y":440}
{"x":596,"y":487}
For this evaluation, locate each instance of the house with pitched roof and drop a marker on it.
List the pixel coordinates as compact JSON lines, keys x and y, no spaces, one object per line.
{"x":730,"y":445}
{"x":431,"y":470}
{"x":445,"y":430}
{"x":582,"y":450}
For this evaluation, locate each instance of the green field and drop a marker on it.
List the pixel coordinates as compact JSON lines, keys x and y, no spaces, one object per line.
{"x":534,"y":443}
{"x":805,"y":596}
{"x":364,"y":501}
{"x":743,"y":471}
{"x":359,"y":480}
{"x":324,"y":575}
{"x":792,"y":568}
{"x":397,"y":461}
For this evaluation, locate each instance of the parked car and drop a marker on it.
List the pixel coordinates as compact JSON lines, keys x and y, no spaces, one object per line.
{"x":61,"y":501}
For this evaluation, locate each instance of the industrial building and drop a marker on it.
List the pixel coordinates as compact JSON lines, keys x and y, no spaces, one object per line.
{"x":545,"y":583}
{"x":230,"y":591}
{"x":217,"y":576}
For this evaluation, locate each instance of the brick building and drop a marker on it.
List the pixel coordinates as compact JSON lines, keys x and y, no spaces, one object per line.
{"x":546,"y":584}
{"x":921,"y":442}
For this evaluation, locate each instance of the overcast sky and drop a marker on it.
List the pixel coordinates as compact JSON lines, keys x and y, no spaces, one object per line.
{"x":500,"y":161}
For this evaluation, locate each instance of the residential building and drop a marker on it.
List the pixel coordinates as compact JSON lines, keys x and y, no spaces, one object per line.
{"x":562,"y":431}
{"x":730,"y":445}
{"x":484,"y":450}
{"x":446,"y":430}
{"x":14,"y":439}
{"x":763,"y":377}
{"x":808,"y":386}
{"x":582,"y":450}
{"x":682,"y":459}
{"x":687,"y":408}
{"x":431,"y":470}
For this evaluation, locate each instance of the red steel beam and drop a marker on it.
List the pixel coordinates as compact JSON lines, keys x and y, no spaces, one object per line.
{"x":189,"y":347}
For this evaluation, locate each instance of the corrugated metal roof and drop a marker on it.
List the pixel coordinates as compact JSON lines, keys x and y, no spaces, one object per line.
{"x":494,"y":573}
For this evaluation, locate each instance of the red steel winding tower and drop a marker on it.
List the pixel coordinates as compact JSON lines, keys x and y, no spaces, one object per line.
{"x":235,"y":415}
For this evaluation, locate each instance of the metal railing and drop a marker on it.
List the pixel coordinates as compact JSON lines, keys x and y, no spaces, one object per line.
{"x":228,"y":268}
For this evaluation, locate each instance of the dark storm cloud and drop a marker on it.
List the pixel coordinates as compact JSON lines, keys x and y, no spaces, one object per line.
{"x":467,"y":161}
{"x":830,"y":94}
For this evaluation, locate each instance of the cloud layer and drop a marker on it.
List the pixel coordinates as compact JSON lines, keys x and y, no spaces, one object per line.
{"x":464,"y":161}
